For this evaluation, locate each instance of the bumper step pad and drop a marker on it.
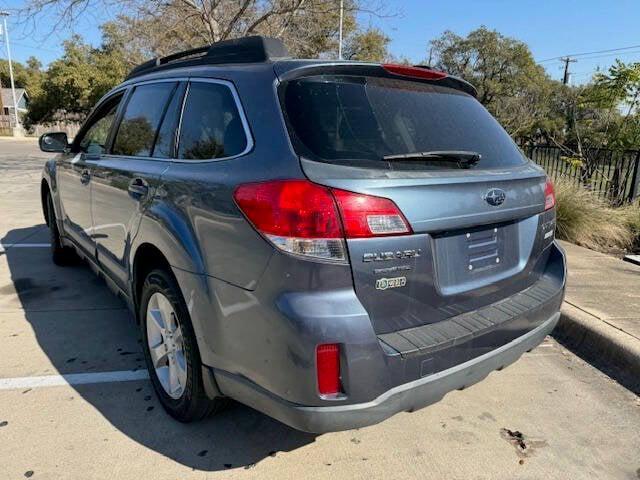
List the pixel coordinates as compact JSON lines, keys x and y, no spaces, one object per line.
{"x":462,"y":328}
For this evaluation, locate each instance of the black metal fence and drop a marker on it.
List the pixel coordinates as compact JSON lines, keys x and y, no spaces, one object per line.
{"x":610,"y":174}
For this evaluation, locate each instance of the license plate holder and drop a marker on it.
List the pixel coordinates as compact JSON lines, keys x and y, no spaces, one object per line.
{"x":474,"y":257}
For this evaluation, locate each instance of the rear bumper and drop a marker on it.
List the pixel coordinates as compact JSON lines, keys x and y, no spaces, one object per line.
{"x":407,"y":397}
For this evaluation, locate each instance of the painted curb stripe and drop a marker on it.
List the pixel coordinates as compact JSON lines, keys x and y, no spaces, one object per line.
{"x":72,"y":379}
{"x":5,"y":246}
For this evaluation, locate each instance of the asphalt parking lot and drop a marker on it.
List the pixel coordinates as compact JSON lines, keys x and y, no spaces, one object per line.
{"x":550,"y":415}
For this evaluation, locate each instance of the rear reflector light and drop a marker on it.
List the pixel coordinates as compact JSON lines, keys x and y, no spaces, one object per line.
{"x":549,"y":195}
{"x":416,"y":72}
{"x":328,"y":368}
{"x":306,"y":219}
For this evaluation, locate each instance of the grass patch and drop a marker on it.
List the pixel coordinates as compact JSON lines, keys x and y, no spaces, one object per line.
{"x":586,"y":220}
{"x":632,"y":220}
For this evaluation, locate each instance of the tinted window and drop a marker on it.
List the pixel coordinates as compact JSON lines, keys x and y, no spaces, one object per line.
{"x":166,"y":135}
{"x":95,"y":137}
{"x":346,"y":118}
{"x":211,"y":125}
{"x":142,"y":116}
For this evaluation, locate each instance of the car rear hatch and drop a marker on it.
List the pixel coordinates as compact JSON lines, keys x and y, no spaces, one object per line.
{"x":475,"y":207}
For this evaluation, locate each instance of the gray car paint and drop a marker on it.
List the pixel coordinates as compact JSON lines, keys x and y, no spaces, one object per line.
{"x":258,"y":313}
{"x":75,"y":199}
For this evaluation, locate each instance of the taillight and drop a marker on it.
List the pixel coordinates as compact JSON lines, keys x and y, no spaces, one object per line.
{"x":304,"y":218}
{"x":368,"y":216}
{"x":549,"y":195}
{"x":328,"y":368}
{"x":297,"y":216}
{"x":416,"y":72}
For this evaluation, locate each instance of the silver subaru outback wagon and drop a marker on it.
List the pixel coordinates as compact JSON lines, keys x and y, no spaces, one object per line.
{"x":327,"y":242}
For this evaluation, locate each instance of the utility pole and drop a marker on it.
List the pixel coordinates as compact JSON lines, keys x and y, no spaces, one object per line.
{"x":5,"y":35}
{"x":340,"y":33}
{"x":567,"y":61}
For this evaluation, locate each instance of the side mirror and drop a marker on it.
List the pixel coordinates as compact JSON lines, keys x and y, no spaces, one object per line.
{"x":54,"y":142}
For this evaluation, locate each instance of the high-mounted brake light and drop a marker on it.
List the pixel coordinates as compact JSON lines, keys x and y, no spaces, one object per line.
{"x":416,"y":72}
{"x":304,"y":218}
{"x":328,"y":368}
{"x":549,"y":195}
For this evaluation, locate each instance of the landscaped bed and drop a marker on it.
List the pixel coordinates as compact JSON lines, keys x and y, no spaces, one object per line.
{"x":587,"y":220}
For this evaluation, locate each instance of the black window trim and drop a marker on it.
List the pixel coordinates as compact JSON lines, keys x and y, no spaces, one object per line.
{"x":130,"y":87}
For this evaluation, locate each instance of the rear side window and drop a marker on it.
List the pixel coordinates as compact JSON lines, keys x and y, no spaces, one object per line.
{"x":211,"y":124}
{"x":142,"y":115}
{"x":336,"y":119}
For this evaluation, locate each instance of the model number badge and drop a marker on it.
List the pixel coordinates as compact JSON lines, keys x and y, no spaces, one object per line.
{"x":396,"y":282}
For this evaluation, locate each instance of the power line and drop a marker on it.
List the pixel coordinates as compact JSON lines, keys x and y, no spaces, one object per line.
{"x":634,"y":52}
{"x":589,"y":53}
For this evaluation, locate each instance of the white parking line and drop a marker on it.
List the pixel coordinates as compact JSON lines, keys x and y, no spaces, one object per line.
{"x":72,"y":379}
{"x":5,"y":246}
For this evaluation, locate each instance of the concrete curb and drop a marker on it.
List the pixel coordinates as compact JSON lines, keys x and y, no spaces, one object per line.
{"x":598,"y":340}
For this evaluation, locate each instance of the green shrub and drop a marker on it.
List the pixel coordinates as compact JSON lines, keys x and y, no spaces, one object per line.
{"x":586,"y":220}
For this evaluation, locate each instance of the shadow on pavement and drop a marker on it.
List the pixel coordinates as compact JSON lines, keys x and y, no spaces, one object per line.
{"x":82,"y":327}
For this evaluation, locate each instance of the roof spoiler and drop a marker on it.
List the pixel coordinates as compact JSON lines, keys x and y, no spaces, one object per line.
{"x":459,"y":82}
{"x":255,"y":49}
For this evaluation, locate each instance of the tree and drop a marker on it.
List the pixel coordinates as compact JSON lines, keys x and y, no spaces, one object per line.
{"x":603,"y":121}
{"x":370,"y":45}
{"x":144,"y":30}
{"x":157,"y":27}
{"x":509,"y":83}
{"x":74,"y":83}
{"x":612,"y":101}
{"x":28,"y":77}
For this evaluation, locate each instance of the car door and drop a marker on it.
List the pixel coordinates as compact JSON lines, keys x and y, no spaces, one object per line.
{"x":125,"y":180}
{"x":74,"y":173}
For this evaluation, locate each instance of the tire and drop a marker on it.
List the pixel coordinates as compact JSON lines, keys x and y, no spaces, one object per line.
{"x":60,"y":255}
{"x":189,"y":402}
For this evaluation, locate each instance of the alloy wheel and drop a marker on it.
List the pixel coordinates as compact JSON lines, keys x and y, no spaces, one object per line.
{"x":166,"y":345}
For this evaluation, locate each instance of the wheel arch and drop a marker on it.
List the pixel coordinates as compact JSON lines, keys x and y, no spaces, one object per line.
{"x":45,"y":191}
{"x":147,"y":257}
{"x":166,"y":239}
{"x":48,"y":187}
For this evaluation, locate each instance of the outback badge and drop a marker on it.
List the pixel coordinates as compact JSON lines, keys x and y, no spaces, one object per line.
{"x":396,"y":282}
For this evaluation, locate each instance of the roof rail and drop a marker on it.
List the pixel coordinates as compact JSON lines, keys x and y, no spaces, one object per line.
{"x":253,"y":49}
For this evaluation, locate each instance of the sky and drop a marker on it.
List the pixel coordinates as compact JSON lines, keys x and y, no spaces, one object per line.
{"x":551,"y":28}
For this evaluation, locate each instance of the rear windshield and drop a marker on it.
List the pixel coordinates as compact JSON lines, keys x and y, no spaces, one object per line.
{"x":341,"y":119}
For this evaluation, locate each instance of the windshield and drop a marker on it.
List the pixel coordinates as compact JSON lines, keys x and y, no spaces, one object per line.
{"x":339,"y":119}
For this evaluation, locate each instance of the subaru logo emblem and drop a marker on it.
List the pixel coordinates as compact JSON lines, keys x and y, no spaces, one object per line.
{"x":495,"y":197}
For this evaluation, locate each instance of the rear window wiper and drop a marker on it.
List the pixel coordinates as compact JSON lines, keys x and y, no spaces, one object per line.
{"x":464,"y":158}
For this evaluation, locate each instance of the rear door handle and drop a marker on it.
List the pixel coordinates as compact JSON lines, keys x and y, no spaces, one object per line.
{"x":85,"y":177}
{"x":138,"y":187}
